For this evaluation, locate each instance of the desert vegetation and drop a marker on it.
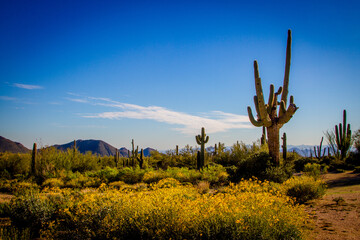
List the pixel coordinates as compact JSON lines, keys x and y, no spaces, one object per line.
{"x":239,"y":192}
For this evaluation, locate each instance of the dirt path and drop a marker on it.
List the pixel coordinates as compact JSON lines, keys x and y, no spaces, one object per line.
{"x":337,"y":214}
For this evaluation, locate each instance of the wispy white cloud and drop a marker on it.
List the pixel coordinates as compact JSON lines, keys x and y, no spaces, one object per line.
{"x":215,"y":121}
{"x":27,"y":86}
{"x":6,"y":98}
{"x":79,"y":100}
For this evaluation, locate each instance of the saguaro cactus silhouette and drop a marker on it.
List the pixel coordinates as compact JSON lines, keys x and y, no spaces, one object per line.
{"x":134,"y":153}
{"x":141,"y":159}
{"x":317,"y":150}
{"x":268,"y":114}
{"x":201,"y":140}
{"x":343,"y":137}
{"x":33,"y":160}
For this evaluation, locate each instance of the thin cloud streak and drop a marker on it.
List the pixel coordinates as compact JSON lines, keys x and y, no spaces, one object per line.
{"x":6,"y":98}
{"x":26,"y":86}
{"x":215,"y":121}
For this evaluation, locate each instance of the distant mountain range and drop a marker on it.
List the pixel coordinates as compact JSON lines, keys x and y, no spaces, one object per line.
{"x":7,"y":145}
{"x":104,"y":149}
{"x":98,"y":147}
{"x":95,"y":146}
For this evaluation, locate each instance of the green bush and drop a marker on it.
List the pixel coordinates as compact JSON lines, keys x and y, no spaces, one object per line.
{"x":53,"y":182}
{"x":312,"y":170}
{"x":12,"y":164}
{"x":214,"y":174}
{"x":31,"y":210}
{"x":301,"y":162}
{"x":261,"y":166}
{"x":107,"y":174}
{"x":304,"y":188}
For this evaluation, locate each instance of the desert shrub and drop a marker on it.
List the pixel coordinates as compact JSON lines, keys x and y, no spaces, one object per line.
{"x":155,"y":176}
{"x":31,"y":210}
{"x":14,"y":163}
{"x":185,"y":175}
{"x":312,"y":170}
{"x":214,"y":174}
{"x":83,"y":162}
{"x":203,"y":187}
{"x":14,"y":233}
{"x":278,"y":174}
{"x":79,"y":180}
{"x":131,"y":175}
{"x":353,"y":160}
{"x":107,"y":174}
{"x":247,"y":211}
{"x":22,"y":187}
{"x":167,"y":183}
{"x":253,"y":166}
{"x":53,"y":182}
{"x":261,"y":166}
{"x":117,"y":184}
{"x":304,"y":188}
{"x":301,"y":162}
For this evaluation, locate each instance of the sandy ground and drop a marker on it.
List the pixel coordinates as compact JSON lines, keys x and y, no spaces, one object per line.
{"x":337,"y":214}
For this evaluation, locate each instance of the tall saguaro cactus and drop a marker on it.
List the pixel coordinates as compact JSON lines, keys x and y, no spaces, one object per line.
{"x":343,"y":137}
{"x":268,"y":114}
{"x":33,"y":160}
{"x":201,"y":140}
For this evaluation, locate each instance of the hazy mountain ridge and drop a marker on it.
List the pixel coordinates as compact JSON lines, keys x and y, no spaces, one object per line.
{"x":6,"y":145}
{"x":99,"y":147}
{"x":104,"y":149}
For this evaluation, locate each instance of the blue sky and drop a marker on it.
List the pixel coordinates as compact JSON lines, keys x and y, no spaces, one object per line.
{"x":157,"y":71}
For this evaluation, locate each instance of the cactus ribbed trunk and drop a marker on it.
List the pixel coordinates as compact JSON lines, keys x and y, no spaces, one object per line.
{"x":274,"y":143}
{"x":33,"y":160}
{"x":201,"y":140}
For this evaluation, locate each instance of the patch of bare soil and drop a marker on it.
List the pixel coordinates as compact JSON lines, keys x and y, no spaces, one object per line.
{"x":337,"y":214}
{"x":5,"y":197}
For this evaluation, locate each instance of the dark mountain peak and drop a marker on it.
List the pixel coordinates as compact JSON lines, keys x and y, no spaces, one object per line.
{"x":7,"y":145}
{"x":95,"y":146}
{"x":147,"y":151}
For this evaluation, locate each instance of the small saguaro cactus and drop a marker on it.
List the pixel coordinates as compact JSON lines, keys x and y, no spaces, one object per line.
{"x":201,"y":140}
{"x":268,"y":114}
{"x":134,"y":153}
{"x":141,"y":159}
{"x":215,"y":149}
{"x":33,"y":160}
{"x":177,"y":150}
{"x":116,"y":158}
{"x":284,"y":146}
{"x":74,"y":146}
{"x":343,"y":137}
{"x":317,"y":150}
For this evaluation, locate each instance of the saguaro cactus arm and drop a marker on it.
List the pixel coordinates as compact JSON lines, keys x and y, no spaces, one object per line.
{"x":203,"y":138}
{"x":343,"y":136}
{"x":287,"y":68}
{"x":285,"y":117}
